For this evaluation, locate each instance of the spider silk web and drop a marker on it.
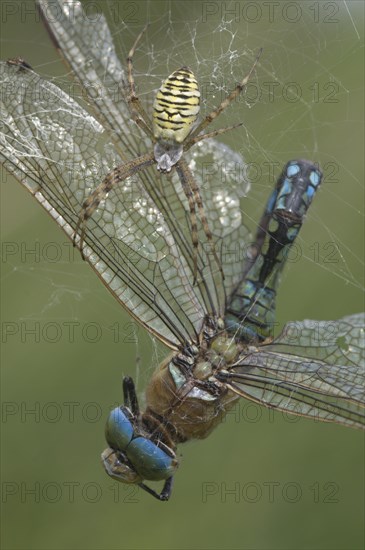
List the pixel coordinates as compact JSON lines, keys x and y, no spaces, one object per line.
{"x":305,"y":100}
{"x":320,"y":52}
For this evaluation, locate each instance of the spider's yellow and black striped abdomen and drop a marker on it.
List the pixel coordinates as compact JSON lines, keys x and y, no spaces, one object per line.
{"x":176,"y":107}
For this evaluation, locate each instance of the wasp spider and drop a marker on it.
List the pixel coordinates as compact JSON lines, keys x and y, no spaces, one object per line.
{"x":175,"y":112}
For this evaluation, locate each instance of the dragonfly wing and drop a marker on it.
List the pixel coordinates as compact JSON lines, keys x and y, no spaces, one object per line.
{"x":221,"y":176}
{"x":61,"y":153}
{"x":314,"y":369}
{"x":86,"y":44}
{"x":141,"y":231}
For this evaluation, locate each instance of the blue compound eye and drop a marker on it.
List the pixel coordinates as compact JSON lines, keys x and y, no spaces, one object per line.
{"x":151,"y":462}
{"x":118,"y":429}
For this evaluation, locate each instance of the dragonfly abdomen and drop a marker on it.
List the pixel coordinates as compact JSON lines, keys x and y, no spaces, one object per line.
{"x":251,"y":309}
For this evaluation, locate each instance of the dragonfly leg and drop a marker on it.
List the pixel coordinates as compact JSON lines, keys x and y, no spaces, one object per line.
{"x":166,"y":490}
{"x":130,"y":396}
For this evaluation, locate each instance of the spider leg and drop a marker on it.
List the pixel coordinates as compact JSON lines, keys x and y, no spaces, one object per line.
{"x":217,"y":111}
{"x":193,"y":195}
{"x":209,"y":135}
{"x":194,"y":227}
{"x":114,"y":177}
{"x":138,"y":113}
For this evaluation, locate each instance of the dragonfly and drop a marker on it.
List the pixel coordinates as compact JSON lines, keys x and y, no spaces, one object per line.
{"x":138,"y":241}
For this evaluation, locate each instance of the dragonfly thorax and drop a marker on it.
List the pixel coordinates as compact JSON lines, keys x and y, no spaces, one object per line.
{"x":192,"y":399}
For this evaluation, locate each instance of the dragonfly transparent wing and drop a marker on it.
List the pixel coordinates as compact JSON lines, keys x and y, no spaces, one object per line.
{"x":219,"y":172}
{"x":86,"y":44}
{"x":314,"y":369}
{"x":60,"y":153}
{"x":138,"y":240}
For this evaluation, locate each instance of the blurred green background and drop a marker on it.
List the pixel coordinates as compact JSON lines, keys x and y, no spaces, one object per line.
{"x":296,"y":484}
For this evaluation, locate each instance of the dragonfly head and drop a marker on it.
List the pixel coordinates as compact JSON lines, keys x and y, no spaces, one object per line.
{"x":134,"y":454}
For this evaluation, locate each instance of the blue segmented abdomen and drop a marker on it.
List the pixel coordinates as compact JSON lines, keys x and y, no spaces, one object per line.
{"x":250,"y":314}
